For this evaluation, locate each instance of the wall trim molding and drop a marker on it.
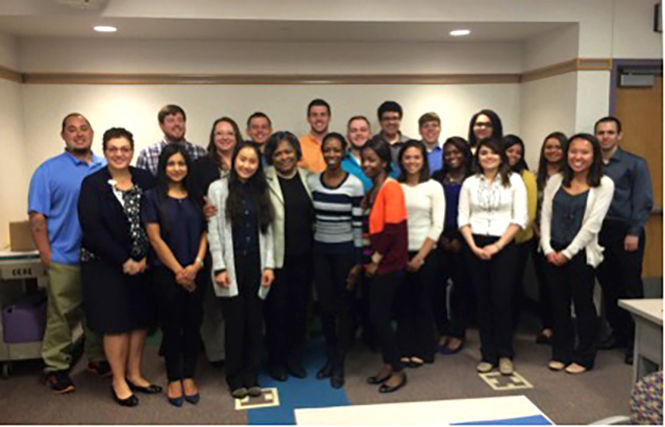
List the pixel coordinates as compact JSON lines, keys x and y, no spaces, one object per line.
{"x":572,"y":65}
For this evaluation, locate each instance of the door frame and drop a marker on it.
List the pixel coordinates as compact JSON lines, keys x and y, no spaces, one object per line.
{"x":617,"y":64}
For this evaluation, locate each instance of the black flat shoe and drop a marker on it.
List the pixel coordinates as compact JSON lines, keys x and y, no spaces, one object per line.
{"x":176,"y":401}
{"x":325,"y":371}
{"x":129,"y":401}
{"x":151,"y":389}
{"x":295,"y":369}
{"x":375,"y":379}
{"x":337,"y":378}
{"x":278,"y":373}
{"x":193,"y":398}
{"x":389,"y":389}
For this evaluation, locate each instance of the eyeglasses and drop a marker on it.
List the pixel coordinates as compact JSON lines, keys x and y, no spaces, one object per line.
{"x":483,"y":125}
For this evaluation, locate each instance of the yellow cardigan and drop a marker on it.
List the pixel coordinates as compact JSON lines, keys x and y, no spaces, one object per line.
{"x":532,"y":202}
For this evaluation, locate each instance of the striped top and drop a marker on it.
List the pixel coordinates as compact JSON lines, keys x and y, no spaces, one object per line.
{"x":338,"y":222}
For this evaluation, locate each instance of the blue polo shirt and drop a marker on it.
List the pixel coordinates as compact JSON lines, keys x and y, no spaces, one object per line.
{"x":435,"y":159}
{"x":351,"y":165}
{"x":54,"y":193}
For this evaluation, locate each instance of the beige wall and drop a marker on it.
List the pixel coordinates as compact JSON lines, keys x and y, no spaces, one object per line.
{"x":633,"y":35}
{"x":9,"y":54}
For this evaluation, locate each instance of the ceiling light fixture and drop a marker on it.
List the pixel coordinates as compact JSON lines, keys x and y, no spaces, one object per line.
{"x":105,"y":29}
{"x":458,"y":33}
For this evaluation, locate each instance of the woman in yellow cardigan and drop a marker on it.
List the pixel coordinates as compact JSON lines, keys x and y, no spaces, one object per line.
{"x":524,"y":239}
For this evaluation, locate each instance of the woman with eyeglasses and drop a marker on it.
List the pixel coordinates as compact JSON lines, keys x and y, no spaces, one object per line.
{"x":484,"y":124}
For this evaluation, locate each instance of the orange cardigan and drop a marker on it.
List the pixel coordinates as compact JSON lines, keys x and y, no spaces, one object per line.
{"x":387,"y":227}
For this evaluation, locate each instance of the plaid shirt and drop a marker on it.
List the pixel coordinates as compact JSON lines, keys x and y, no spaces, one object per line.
{"x":149,"y":157}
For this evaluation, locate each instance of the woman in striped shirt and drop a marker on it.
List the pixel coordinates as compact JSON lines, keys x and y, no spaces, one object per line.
{"x":336,"y":196}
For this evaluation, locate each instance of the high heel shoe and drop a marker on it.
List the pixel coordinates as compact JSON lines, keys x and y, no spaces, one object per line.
{"x":375,"y":379}
{"x":193,"y":398}
{"x":385,"y":388}
{"x":150,"y":389}
{"x":176,"y":401}
{"x":325,"y":371}
{"x":129,"y":401}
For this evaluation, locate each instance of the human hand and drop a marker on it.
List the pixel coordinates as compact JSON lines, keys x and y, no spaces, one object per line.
{"x":371,"y":268}
{"x":415,"y":263}
{"x":352,"y":277}
{"x":184,"y":281}
{"x":491,"y":250}
{"x":631,"y":243}
{"x":267,"y":277}
{"x":222,"y":280}
{"x":480,"y":253}
{"x":142,"y":265}
{"x":191,"y":271}
{"x":560,"y":259}
{"x":551,"y":258}
{"x":45,"y":258}
{"x":209,"y":210}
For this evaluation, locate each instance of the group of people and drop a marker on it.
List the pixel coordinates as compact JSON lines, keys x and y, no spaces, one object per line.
{"x":379,"y":225}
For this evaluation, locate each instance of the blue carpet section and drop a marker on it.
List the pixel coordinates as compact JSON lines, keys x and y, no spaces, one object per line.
{"x":299,"y":393}
{"x":536,"y":420}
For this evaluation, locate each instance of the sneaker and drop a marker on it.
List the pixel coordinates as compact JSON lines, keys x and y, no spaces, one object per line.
{"x":60,"y":382}
{"x":506,"y":366}
{"x":484,"y":367}
{"x":102,"y":368}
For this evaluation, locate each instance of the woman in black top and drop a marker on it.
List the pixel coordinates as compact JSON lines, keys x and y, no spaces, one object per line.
{"x":175,"y":226}
{"x":286,"y":305}
{"x":117,"y":297}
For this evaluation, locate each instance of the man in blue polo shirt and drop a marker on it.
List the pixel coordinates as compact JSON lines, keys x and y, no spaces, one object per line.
{"x":429,"y":126}
{"x":52,"y":207}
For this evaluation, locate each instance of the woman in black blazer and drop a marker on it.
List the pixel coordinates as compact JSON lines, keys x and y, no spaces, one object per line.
{"x":117,"y":295}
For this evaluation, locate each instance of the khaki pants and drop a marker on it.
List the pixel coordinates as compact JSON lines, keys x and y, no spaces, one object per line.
{"x":63,"y":312}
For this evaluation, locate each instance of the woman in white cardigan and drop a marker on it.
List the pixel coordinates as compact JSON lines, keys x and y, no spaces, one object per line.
{"x":241,"y":245}
{"x":574,"y":205}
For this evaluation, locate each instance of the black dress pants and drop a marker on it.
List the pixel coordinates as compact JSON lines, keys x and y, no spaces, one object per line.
{"x":286,"y":310}
{"x":544,"y":295}
{"x":620,"y":276}
{"x":573,"y":282}
{"x":382,"y":291}
{"x":461,"y":301}
{"x":523,"y":252}
{"x":181,"y":314}
{"x":415,"y":325}
{"x":243,"y":318}
{"x":330,"y":273}
{"x":493,"y":282}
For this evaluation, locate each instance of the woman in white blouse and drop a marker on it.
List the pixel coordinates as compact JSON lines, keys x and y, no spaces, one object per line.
{"x":574,"y":205}
{"x":425,"y":210}
{"x":492,"y":209}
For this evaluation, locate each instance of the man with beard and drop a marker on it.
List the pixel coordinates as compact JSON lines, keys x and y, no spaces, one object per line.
{"x":52,"y":208}
{"x":318,"y":116}
{"x":358,"y":132}
{"x":172,"y":121}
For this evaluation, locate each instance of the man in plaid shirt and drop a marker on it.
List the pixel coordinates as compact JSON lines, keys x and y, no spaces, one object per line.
{"x":172,"y":121}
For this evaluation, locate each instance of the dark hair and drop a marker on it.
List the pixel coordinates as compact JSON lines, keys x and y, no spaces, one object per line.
{"x":162,"y":182}
{"x":541,"y":177}
{"x":168,"y":110}
{"x":358,"y":118}
{"x":606,"y":120}
{"x":257,"y":187}
{"x":212,"y":150}
{"x":389,"y":106}
{"x":320,"y":103}
{"x":596,"y":169}
{"x":69,"y":116}
{"x":278,"y":137}
{"x":259,"y":114}
{"x":337,"y":136}
{"x":463,"y":146}
{"x":382,"y":149}
{"x":496,"y":145}
{"x":117,"y":133}
{"x":424,"y":171}
{"x":509,"y":141}
{"x":497,"y":128}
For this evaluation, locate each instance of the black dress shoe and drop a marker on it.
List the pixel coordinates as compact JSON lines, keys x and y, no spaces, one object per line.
{"x":129,"y":401}
{"x":193,"y":398}
{"x":325,"y":371}
{"x":628,"y":359}
{"x":337,"y":378}
{"x":375,"y":379}
{"x":278,"y":373}
{"x":150,"y":389}
{"x":389,"y":389}
{"x":296,"y":370}
{"x":610,"y":343}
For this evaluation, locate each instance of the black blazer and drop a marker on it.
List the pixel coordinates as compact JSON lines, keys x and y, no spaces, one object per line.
{"x":204,"y":172}
{"x":103,"y":221}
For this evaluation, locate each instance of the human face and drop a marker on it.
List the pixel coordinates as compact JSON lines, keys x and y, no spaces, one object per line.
{"x":176,"y":168}
{"x":224,"y":137}
{"x":412,"y":161}
{"x":358,"y":133}
{"x":118,"y":153}
{"x":482,"y":127}
{"x":553,"y":151}
{"x":452,"y":156}
{"x":318,"y":118}
{"x":259,"y":130}
{"x":371,"y":163}
{"x":246,"y":164}
{"x":607,"y":135}
{"x":285,"y":157}
{"x":77,"y":135}
{"x":489,"y":159}
{"x":390,"y":122}
{"x":430,"y":132}
{"x":514,"y":154}
{"x":580,"y":155}
{"x":333,"y":153}
{"x":173,"y":127}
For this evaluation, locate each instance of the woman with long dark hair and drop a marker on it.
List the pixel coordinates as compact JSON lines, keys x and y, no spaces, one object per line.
{"x":175,"y":226}
{"x":425,"y":210}
{"x":452,"y":326}
{"x":241,"y":246}
{"x":484,"y":124}
{"x":336,"y":195}
{"x":550,"y":163}
{"x":388,"y":244}
{"x":492,"y":209}
{"x":574,"y":205}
